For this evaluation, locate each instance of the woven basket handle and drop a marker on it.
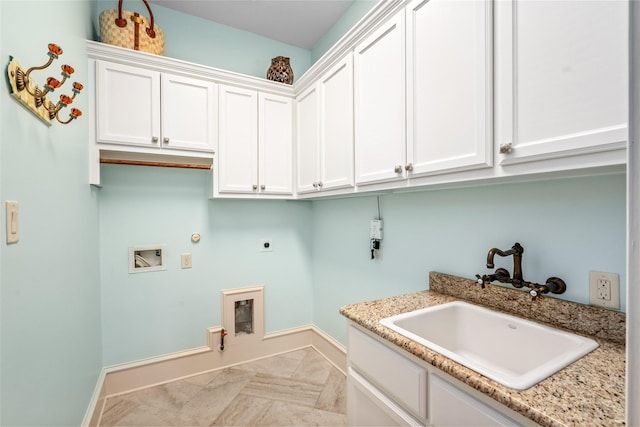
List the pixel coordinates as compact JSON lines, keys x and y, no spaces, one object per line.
{"x":121,"y":22}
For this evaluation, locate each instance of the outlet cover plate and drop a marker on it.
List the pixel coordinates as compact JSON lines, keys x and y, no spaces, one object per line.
{"x":266,"y":245}
{"x":613,"y":279}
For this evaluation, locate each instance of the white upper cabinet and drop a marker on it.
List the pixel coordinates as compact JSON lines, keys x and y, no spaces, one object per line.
{"x":275,"y":144}
{"x":146,"y":108}
{"x":128,"y":105}
{"x":325,"y":130}
{"x":237,"y":163}
{"x":336,"y":126}
{"x":449,"y":86}
{"x":188,"y":113}
{"x":255,"y":143}
{"x":379,"y":103}
{"x":308,"y":139}
{"x":561,"y":76}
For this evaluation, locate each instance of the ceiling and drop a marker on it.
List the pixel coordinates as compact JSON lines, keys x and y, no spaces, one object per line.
{"x":298,"y":23}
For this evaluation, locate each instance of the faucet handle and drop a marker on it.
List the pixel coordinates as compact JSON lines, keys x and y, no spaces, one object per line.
{"x":480,"y":281}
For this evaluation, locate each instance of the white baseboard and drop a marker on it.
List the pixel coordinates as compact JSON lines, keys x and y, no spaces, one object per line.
{"x":128,"y":377}
{"x":96,"y":404}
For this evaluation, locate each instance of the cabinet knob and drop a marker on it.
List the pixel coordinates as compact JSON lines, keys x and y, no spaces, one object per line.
{"x":409,"y":167}
{"x":315,"y":185}
{"x":255,"y":187}
{"x":320,"y":184}
{"x":397,"y":169}
{"x":154,"y":139}
{"x":263,"y":187}
{"x":506,"y":148}
{"x":166,"y":140}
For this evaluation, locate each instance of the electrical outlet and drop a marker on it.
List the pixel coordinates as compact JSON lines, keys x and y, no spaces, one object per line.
{"x":185,"y":261}
{"x":266,"y":245}
{"x":604,"y":289}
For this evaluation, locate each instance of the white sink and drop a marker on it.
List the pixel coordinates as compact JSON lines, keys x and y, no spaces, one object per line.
{"x":514,"y":352}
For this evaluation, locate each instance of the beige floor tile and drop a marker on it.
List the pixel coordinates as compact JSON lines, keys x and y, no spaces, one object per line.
{"x":287,"y":414}
{"x":202,"y":379}
{"x":334,"y":394}
{"x":296,"y":354}
{"x":285,"y":389}
{"x":299,"y":388}
{"x":115,"y":409}
{"x":314,"y":369}
{"x":167,"y":396}
{"x":212,"y":400}
{"x":144,"y":415}
{"x":243,"y":411}
{"x":277,"y":366}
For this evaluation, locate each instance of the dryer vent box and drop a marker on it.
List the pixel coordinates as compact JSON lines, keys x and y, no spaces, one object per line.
{"x":147,"y":258}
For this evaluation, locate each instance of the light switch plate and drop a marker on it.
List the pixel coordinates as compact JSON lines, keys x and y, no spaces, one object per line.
{"x":13,"y":221}
{"x":185,"y":261}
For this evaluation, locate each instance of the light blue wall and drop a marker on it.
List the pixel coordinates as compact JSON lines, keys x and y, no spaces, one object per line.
{"x":567,"y":228}
{"x":50,"y":301}
{"x":357,"y":10}
{"x":209,"y":43}
{"x":154,"y":313}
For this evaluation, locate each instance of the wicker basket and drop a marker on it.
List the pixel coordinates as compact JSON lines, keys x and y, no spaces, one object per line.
{"x":131,"y":30}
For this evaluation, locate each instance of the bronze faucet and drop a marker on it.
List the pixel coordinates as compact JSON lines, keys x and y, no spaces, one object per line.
{"x":517,"y":251}
{"x":554,"y":285}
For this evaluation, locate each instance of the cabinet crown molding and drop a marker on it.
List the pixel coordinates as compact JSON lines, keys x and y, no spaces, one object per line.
{"x":381,"y":11}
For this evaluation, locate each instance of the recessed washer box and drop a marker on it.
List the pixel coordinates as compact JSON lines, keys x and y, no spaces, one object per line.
{"x":147,"y":258}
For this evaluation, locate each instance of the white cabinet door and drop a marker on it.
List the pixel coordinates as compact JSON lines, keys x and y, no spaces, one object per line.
{"x":238,"y":140}
{"x":336,"y":126}
{"x":189,"y":113}
{"x":127,"y":105}
{"x":562,"y":78}
{"x":368,"y":406}
{"x":275,"y":144}
{"x":379,"y":90}
{"x":308,"y":139}
{"x":451,"y":406}
{"x":449,"y":85}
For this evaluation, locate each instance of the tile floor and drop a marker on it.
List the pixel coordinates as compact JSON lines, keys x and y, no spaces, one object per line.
{"x":300,"y":388}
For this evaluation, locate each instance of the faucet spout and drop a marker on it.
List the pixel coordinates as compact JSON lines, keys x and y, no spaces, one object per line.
{"x":553,"y":285}
{"x":516,"y":250}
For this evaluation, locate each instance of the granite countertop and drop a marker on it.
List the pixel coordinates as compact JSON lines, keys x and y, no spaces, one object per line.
{"x":589,"y":392}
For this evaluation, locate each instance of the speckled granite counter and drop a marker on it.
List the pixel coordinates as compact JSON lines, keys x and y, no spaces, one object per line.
{"x":589,"y":392}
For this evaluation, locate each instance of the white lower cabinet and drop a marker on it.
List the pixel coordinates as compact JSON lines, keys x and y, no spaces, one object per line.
{"x":387,"y":387}
{"x":368,"y":406}
{"x":451,"y":405}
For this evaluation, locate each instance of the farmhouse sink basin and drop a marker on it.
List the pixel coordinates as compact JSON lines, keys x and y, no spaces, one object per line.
{"x":514,"y":352}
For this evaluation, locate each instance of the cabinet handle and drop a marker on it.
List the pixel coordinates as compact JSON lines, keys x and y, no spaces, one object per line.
{"x":263,"y":187}
{"x":166,"y":139}
{"x":255,"y":187}
{"x":409,"y":167}
{"x":154,"y":139}
{"x":320,"y":184}
{"x":506,"y":148}
{"x":398,"y":169}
